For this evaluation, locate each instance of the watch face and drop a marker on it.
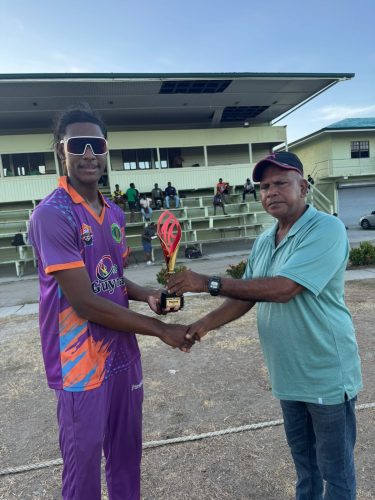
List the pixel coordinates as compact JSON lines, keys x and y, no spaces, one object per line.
{"x":214,"y":285}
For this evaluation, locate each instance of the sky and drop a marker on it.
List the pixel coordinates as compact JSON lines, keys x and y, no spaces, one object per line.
{"x":169,"y":36}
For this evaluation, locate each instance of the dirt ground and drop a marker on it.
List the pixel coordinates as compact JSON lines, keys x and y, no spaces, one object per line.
{"x":222,"y":383}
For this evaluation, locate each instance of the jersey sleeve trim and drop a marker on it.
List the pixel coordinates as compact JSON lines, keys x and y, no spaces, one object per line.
{"x":61,"y":267}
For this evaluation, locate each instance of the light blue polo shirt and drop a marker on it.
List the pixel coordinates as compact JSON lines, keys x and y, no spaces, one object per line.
{"x":309,"y":343}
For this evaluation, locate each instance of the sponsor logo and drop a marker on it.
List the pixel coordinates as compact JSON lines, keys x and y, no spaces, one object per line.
{"x":106,"y":280}
{"x":86,"y":234}
{"x":116,"y":232}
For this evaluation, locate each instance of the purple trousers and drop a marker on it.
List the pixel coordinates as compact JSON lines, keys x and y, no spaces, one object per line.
{"x":108,"y":418}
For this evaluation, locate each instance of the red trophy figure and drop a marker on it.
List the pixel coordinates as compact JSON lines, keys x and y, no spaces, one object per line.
{"x":169,"y":233}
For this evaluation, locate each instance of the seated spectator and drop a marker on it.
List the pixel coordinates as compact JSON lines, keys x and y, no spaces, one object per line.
{"x":223,"y":188}
{"x":157,"y":197}
{"x":218,"y":201}
{"x":146,"y":210}
{"x":132,"y":195}
{"x":118,"y":197}
{"x":171,"y":193}
{"x":249,"y":188}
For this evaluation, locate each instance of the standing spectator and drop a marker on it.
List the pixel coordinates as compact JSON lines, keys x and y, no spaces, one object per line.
{"x":223,"y":188}
{"x":146,"y":210}
{"x":171,"y":193}
{"x":118,"y":197}
{"x":218,"y":201}
{"x":157,"y":197}
{"x":311,"y":180}
{"x":249,"y":188}
{"x":90,"y":349}
{"x":295,"y":275}
{"x":132,"y":195}
{"x":178,"y":161}
{"x":147,"y":236}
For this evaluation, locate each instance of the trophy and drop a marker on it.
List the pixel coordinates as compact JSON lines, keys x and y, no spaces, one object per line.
{"x":169,"y":233}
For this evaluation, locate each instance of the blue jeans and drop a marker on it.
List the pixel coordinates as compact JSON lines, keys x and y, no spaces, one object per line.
{"x":322,"y":439}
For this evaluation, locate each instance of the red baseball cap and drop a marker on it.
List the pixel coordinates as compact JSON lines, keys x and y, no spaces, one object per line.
{"x":284,"y":159}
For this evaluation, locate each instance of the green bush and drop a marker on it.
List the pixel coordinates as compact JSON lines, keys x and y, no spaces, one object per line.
{"x":362,"y":256}
{"x":236,"y":270}
{"x":162,"y":275}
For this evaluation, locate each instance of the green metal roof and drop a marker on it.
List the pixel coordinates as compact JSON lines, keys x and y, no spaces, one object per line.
{"x":350,"y":123}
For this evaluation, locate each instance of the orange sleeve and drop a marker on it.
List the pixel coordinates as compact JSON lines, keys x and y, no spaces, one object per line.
{"x":61,"y":267}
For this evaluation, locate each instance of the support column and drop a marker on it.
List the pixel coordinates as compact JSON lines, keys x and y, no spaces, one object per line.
{"x":205,"y":156}
{"x":1,"y":167}
{"x":251,"y":153}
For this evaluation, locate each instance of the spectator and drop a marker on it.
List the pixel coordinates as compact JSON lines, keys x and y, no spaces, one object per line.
{"x":218,"y":201}
{"x":146,"y":210}
{"x":177,"y":161}
{"x":132,"y":195}
{"x":147,"y":236}
{"x":310,"y":179}
{"x":171,"y":193}
{"x":249,"y":188}
{"x":223,"y":188}
{"x":157,"y":197}
{"x":118,"y":197}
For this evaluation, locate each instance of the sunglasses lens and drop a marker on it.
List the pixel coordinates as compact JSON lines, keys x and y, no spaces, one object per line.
{"x":77,"y":145}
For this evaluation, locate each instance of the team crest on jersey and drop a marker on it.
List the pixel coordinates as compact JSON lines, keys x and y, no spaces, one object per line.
{"x":86,"y":234}
{"x":116,"y":232}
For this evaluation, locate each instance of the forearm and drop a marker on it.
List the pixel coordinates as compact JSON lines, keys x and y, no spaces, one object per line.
{"x":138,"y":293}
{"x":230,"y":310}
{"x":116,"y":317}
{"x":277,"y":289}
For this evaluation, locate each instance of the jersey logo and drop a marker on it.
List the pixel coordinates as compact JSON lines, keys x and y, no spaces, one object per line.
{"x":116,"y":232}
{"x":86,"y":234}
{"x":107,"y":276}
{"x":105,"y":268}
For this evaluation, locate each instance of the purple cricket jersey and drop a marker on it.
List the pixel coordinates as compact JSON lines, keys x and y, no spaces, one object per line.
{"x":80,"y":355}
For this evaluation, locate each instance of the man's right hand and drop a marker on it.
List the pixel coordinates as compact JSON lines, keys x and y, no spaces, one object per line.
{"x":197,"y":330}
{"x":175,"y":336}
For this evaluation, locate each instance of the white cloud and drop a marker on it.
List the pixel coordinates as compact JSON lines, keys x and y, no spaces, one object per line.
{"x":336,"y":113}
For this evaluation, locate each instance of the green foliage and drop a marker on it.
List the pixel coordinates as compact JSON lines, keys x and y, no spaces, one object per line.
{"x":162,"y":275}
{"x":236,"y":270}
{"x":362,"y":256}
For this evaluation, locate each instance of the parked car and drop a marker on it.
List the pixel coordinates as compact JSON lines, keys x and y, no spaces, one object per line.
{"x":367,"y":221}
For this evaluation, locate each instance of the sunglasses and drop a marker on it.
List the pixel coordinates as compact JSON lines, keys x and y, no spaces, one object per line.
{"x":78,"y":145}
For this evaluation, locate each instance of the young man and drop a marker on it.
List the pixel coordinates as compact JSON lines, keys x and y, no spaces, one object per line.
{"x":147,"y":236}
{"x":157,"y":197}
{"x":88,"y":337}
{"x":248,"y":188}
{"x":295,"y":274}
{"x":118,"y":197}
{"x":171,"y":193}
{"x":132,"y":196}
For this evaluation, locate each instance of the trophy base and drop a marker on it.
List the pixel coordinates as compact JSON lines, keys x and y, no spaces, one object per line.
{"x":171,"y":301}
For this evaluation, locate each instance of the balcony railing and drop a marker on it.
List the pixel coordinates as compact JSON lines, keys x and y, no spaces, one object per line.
{"x":343,"y":167}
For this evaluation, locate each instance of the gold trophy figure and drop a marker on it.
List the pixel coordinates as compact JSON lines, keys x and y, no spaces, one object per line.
{"x":169,"y":234}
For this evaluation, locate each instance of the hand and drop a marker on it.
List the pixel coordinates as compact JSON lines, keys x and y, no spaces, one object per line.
{"x":175,"y":336}
{"x":187,"y":281}
{"x":197,"y":330}
{"x":154,"y":303}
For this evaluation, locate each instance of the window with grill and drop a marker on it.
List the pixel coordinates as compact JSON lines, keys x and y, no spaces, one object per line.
{"x":360,"y":149}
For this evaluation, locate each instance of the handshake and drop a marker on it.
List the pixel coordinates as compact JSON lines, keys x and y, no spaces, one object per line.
{"x":177,"y":335}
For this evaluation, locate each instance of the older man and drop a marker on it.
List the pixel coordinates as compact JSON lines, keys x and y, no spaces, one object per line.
{"x":295,"y":274}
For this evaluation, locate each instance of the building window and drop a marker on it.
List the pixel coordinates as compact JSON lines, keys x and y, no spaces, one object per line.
{"x":360,"y":149}
{"x":20,"y":164}
{"x":139,"y":159}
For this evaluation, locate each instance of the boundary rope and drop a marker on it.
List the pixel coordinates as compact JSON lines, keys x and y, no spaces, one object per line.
{"x":165,"y":442}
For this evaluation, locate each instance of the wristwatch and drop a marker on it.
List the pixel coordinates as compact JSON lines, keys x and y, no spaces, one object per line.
{"x":214,"y":285}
